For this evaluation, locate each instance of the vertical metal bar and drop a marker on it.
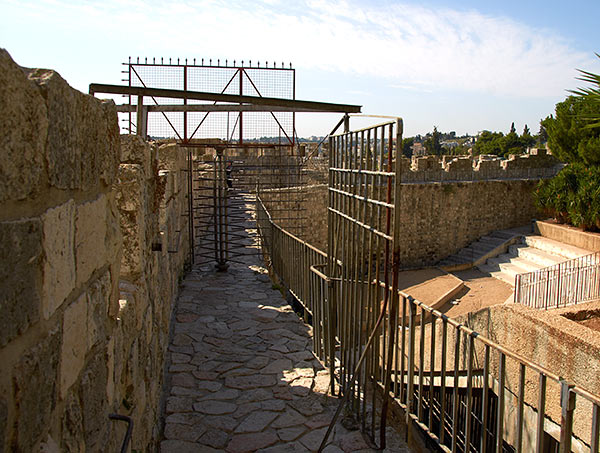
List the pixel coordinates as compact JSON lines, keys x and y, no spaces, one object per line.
{"x":520,"y":407}
{"x":541,"y":410}
{"x":500,"y":413}
{"x":595,"y":429}
{"x":190,"y":200}
{"x":455,"y":402}
{"x":241,"y":73}
{"x":403,"y":350}
{"x":432,"y":371}
{"x":421,"y":364}
{"x":469,"y":416}
{"x":485,"y":400}
{"x":185,"y":103}
{"x":567,"y":404}
{"x":411,"y":360}
{"x":443,"y":379}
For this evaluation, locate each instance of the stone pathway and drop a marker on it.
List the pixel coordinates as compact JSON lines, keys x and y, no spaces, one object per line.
{"x":242,"y":377}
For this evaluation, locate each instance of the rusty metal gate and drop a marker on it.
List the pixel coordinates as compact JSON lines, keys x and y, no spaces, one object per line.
{"x":363,"y":264}
{"x":225,"y":184}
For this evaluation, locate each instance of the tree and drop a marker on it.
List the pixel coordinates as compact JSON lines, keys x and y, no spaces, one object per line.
{"x":542,"y":136}
{"x":569,"y":136}
{"x":512,"y":128}
{"x":489,"y":143}
{"x":407,"y":146}
{"x":432,"y":144}
{"x":590,"y":96}
{"x":527,"y":140}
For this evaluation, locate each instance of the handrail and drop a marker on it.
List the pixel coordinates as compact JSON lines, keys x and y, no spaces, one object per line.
{"x":570,"y":282}
{"x":463,"y":361}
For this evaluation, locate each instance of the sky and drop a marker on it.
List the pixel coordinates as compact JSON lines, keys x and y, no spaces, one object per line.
{"x":462,"y":66}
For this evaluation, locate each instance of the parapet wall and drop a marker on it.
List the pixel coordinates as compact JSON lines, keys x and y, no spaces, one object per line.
{"x":84,"y":301}
{"x":537,"y":164}
{"x":437,"y":219}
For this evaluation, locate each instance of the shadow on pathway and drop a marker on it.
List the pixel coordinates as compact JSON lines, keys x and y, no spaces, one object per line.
{"x":242,"y":376}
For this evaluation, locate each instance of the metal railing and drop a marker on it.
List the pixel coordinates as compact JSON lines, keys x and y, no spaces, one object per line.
{"x":464,"y":391}
{"x":566,"y":283}
{"x":300,"y":266}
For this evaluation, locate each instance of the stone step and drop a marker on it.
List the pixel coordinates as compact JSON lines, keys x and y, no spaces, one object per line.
{"x":557,"y":248}
{"x":538,"y":256}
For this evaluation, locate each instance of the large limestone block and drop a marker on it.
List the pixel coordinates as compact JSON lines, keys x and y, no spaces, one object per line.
{"x":20,"y":276}
{"x":90,"y":237}
{"x":171,"y":157}
{"x":92,"y":393}
{"x":23,"y":128}
{"x":82,"y":146}
{"x":99,"y":295}
{"x":74,"y":344}
{"x":132,"y":201}
{"x":59,"y":256}
{"x":35,"y":382}
{"x":135,"y":150}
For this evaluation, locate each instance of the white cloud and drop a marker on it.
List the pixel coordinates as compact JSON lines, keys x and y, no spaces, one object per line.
{"x":407,"y":45}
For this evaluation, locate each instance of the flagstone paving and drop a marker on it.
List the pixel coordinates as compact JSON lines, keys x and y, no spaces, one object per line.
{"x":242,"y":377}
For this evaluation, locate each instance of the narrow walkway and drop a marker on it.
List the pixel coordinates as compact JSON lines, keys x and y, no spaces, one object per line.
{"x":242,"y":377}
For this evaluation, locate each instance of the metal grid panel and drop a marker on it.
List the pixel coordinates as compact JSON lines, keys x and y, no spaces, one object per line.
{"x":255,"y":127}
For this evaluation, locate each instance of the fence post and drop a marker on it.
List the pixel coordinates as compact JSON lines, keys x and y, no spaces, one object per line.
{"x":567,"y":404}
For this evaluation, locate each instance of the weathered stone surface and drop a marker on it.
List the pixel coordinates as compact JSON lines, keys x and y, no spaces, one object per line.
{"x":178,"y":446}
{"x":256,"y":421}
{"x":288,"y":418}
{"x":313,"y":439}
{"x":184,"y":432}
{"x":59,"y":256}
{"x":3,"y":421}
{"x":23,"y":128}
{"x":250,"y":382}
{"x":242,"y":443}
{"x":98,"y":302}
{"x":72,"y":425}
{"x":20,"y":276}
{"x":214,"y":438}
{"x":82,"y":146}
{"x":132,"y":200}
{"x":90,"y":237}
{"x":35,"y":388}
{"x":288,"y":434}
{"x":74,"y":344}
{"x":214,"y":407}
{"x":135,"y":150}
{"x":179,"y":404}
{"x":92,"y":393}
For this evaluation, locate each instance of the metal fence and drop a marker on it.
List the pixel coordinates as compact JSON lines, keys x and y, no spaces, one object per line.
{"x":566,"y":283}
{"x":467,"y":393}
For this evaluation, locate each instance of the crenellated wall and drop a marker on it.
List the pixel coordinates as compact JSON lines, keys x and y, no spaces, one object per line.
{"x":89,"y":265}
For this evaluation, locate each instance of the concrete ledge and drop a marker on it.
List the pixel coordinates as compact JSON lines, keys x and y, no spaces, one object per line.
{"x":568,"y":234}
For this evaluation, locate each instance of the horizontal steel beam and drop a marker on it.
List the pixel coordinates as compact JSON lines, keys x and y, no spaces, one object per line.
{"x":203,"y":96}
{"x":125,"y":108}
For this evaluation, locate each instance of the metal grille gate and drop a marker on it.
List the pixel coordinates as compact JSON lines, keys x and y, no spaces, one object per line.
{"x":225,"y":187}
{"x":363,"y":263}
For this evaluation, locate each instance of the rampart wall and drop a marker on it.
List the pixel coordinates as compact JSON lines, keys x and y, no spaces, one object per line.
{"x":447,"y":204}
{"x":85,"y":302}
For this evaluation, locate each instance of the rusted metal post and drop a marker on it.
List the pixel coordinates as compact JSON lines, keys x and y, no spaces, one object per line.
{"x":567,"y":404}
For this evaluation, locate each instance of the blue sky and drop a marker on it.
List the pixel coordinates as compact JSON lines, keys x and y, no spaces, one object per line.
{"x":461,"y":65}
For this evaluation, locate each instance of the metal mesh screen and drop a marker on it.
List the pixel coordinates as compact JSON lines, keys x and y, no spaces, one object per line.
{"x":256,"y":127}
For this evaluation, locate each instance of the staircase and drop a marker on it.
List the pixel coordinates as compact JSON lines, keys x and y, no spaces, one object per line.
{"x":530,"y":254}
{"x":476,"y":253}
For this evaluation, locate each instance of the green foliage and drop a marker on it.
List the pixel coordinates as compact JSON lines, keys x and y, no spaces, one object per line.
{"x":432,"y":144}
{"x":502,"y":145}
{"x":591,"y":96}
{"x":572,"y":196}
{"x":407,"y":146}
{"x":569,"y":138}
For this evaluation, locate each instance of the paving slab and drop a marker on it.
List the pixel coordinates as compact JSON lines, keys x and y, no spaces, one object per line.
{"x":241,"y":374}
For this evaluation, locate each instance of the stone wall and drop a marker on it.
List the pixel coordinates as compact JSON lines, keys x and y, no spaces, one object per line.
{"x":438,"y":219}
{"x":300,"y":210}
{"x":84,"y":301}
